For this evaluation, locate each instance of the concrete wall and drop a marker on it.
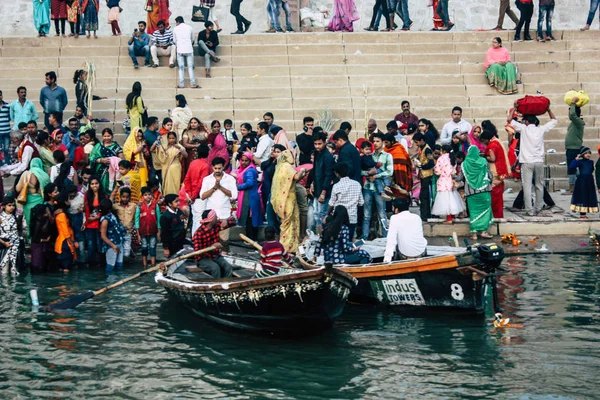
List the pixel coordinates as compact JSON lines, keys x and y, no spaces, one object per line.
{"x":17,"y":15}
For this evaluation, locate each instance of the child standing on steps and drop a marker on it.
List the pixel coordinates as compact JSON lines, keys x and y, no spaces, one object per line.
{"x":447,"y":200}
{"x":584,"y":198}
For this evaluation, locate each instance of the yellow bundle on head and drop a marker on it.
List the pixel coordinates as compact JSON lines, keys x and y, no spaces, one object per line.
{"x":582,"y":97}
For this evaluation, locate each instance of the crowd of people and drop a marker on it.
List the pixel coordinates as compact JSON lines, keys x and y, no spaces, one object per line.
{"x":79,"y":197}
{"x":82,"y":16}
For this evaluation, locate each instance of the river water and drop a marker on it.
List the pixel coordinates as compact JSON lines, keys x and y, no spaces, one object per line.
{"x":135,"y":343}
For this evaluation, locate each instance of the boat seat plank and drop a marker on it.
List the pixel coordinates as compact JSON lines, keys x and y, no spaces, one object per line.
{"x":198,"y":273}
{"x":243,"y":273}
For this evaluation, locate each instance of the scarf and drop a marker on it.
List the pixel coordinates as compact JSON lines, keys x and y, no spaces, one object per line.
{"x":212,"y":216}
{"x":473,"y":139}
{"x":131,"y":145}
{"x":37,"y":168}
{"x":475,"y":169}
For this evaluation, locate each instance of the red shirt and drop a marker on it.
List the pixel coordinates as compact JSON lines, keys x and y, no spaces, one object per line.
{"x":204,"y":238}
{"x":78,"y":157}
{"x":198,"y":170}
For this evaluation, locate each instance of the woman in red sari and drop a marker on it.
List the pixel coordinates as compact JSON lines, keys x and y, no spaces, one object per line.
{"x":499,"y":165}
{"x":158,"y":10}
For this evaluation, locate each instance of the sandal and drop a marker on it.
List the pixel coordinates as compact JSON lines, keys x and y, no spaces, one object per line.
{"x":370,"y":29}
{"x":485,"y":235}
{"x":474,"y":236}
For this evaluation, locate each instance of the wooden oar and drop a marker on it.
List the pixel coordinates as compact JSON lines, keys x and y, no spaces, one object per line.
{"x":75,"y":300}
{"x":259,"y":247}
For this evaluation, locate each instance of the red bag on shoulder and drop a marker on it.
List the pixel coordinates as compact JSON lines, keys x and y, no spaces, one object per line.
{"x":533,"y":105}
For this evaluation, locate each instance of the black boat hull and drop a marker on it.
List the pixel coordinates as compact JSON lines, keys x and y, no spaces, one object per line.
{"x":306,"y":304}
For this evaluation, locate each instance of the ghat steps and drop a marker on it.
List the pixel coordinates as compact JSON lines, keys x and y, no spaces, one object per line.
{"x":355,"y":75}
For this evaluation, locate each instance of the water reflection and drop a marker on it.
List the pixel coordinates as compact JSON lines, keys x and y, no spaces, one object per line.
{"x":135,"y":343}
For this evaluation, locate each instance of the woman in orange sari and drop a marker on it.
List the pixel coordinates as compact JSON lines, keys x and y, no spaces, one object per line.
{"x":498,"y":160}
{"x":158,"y":10}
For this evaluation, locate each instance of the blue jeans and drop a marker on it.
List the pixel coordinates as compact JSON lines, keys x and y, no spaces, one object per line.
{"x":286,"y":10}
{"x":402,"y":11}
{"x":593,"y":7}
{"x":5,"y":143}
{"x":181,"y":60}
{"x":144,"y":51}
{"x":149,"y":246}
{"x":273,"y":11}
{"x":371,"y":196}
{"x":545,"y":12}
{"x":113,"y":261}
{"x":442,"y":10}
{"x":319,"y":211}
{"x":93,"y":244}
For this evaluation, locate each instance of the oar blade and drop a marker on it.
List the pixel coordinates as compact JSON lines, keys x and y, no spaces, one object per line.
{"x":71,"y":301}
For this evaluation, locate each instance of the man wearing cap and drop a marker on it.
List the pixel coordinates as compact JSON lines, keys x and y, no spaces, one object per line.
{"x":406,"y":117}
{"x":207,"y":235}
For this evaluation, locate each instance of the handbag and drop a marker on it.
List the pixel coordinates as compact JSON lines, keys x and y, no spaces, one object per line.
{"x":197,"y":15}
{"x":22,"y":198}
{"x":148,"y":7}
{"x":533,"y":105}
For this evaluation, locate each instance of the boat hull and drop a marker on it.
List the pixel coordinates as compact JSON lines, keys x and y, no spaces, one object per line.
{"x":300,"y":303}
{"x":447,"y":281}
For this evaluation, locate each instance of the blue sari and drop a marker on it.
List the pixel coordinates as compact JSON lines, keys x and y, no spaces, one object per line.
{"x":41,"y":16}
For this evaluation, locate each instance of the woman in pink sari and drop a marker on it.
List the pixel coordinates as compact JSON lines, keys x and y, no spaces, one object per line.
{"x":249,"y":211}
{"x":344,"y":14}
{"x":474,"y":138}
{"x":219,"y":149}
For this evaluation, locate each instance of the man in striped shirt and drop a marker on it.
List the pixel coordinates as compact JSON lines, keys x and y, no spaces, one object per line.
{"x":4,"y":124}
{"x":163,"y":45}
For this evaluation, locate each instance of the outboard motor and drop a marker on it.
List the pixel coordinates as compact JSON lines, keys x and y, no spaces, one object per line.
{"x":491,"y":256}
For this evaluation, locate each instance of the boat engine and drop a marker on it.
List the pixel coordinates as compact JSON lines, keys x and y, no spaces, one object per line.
{"x":491,"y":256}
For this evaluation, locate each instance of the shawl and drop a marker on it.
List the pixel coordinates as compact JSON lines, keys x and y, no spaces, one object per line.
{"x":283,"y":184}
{"x":131,"y":145}
{"x":282,"y":139}
{"x":475,"y":169}
{"x":402,"y":167}
{"x":240,"y":180}
{"x":473,"y":140}
{"x":36,"y":168}
{"x":495,"y":56}
{"x":219,"y":149}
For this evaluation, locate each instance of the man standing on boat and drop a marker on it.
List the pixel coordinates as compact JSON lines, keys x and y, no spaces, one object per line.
{"x":405,"y":234}
{"x":207,"y":235}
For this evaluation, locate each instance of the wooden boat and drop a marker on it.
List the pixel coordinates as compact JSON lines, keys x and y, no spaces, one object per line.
{"x":448,"y":277}
{"x":294,"y":302}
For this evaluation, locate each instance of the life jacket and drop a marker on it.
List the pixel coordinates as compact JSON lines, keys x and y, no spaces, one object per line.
{"x":148,"y":219}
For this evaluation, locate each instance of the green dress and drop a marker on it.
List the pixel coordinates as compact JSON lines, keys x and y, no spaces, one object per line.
{"x":478,"y":187}
{"x":41,"y":16}
{"x":503,"y":77}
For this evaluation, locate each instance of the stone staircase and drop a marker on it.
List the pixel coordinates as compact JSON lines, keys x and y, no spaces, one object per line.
{"x":355,"y":75}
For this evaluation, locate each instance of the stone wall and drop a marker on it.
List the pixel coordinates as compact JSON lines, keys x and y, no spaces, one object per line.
{"x":17,"y":15}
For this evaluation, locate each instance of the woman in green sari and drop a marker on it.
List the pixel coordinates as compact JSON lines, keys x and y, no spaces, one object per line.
{"x":36,"y":180}
{"x":477,"y":176}
{"x":500,"y":72}
{"x":100,"y":158}
{"x":41,"y":16}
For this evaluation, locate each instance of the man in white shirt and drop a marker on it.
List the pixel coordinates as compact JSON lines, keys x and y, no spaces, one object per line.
{"x":457,"y":123}
{"x":405,"y":233}
{"x":263,"y":149}
{"x":183,"y":36}
{"x":28,"y":152}
{"x":218,"y":190}
{"x":531,"y":157}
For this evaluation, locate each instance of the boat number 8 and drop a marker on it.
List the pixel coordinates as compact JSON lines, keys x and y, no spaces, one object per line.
{"x":456,"y":291}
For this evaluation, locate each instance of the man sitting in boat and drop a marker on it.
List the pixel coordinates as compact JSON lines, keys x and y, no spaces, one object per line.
{"x":272,"y":255}
{"x":335,"y":241}
{"x":208,"y":235}
{"x":405,"y":237}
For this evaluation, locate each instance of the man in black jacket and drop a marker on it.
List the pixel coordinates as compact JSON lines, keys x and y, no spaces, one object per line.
{"x":348,"y":154}
{"x":323,"y":176}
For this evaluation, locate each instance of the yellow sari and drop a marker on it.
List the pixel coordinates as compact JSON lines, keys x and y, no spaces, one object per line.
{"x":170,"y":159}
{"x":283,"y":200}
{"x":131,"y":145}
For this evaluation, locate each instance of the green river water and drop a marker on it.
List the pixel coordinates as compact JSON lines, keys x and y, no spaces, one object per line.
{"x":135,"y":343}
